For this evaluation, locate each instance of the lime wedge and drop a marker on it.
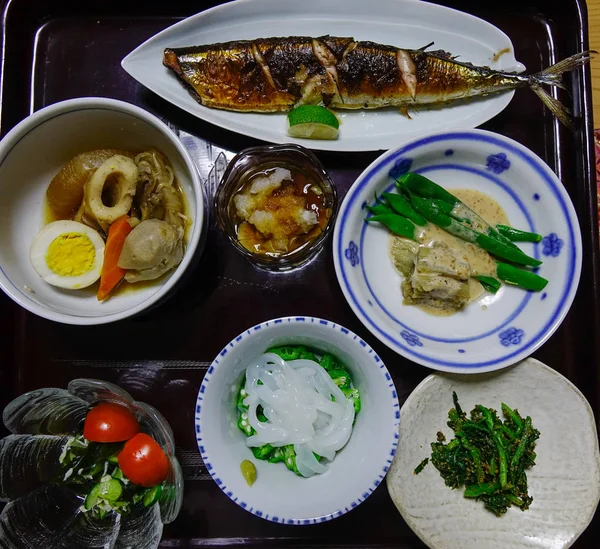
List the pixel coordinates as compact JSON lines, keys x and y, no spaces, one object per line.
{"x":312,"y":122}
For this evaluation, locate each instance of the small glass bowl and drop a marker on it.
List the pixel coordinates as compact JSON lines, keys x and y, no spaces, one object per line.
{"x":250,"y":160}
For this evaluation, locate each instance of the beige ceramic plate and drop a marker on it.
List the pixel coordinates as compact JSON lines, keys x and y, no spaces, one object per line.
{"x":564,"y":483}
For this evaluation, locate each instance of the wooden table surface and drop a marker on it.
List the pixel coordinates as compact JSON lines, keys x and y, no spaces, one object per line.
{"x":594,"y":24}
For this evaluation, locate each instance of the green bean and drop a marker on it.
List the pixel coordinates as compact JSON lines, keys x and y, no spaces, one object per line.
{"x":434,"y":215}
{"x":397,"y":224}
{"x":403,"y":207}
{"x":449,"y":224}
{"x":489,"y":283}
{"x":519,"y":277}
{"x":379,"y":209}
{"x":502,"y":250}
{"x":425,"y":188}
{"x":515,"y":235}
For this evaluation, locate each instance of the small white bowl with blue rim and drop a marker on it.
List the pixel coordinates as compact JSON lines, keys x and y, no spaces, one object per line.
{"x":279,"y":495}
{"x":496,"y":331}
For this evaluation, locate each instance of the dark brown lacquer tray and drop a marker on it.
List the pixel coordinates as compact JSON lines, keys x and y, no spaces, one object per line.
{"x":53,"y":51}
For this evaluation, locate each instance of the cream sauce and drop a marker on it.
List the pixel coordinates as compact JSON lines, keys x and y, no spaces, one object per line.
{"x":480,"y":261}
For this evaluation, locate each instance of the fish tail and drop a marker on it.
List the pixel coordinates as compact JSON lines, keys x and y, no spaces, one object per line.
{"x":558,"y":109}
{"x":552,"y":76}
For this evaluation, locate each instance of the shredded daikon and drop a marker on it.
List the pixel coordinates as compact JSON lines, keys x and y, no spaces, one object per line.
{"x":303,"y":407}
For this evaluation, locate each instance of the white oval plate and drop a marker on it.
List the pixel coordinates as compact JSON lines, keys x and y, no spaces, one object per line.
{"x":499,"y":330}
{"x":403,"y":23}
{"x":564,"y":483}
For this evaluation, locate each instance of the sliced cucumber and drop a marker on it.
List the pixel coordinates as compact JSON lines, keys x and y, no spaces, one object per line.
{"x":152,"y":495}
{"x":118,"y":474}
{"x":109,"y":490}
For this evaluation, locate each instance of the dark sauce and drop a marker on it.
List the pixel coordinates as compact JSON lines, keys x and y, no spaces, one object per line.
{"x":303,"y":188}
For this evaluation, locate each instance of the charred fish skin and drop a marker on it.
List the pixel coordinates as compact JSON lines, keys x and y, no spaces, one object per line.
{"x":228,"y":77}
{"x":277,"y":74}
{"x":263,"y":75}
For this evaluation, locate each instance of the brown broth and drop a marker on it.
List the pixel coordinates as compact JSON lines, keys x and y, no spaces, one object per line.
{"x":301,"y":186}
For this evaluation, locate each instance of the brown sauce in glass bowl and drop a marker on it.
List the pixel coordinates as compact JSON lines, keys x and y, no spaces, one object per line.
{"x":278,"y":209}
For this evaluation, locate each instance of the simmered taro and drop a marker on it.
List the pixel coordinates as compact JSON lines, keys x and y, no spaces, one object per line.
{"x":278,"y":210}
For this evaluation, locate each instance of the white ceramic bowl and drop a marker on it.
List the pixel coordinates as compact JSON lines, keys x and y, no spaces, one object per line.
{"x":278,"y":494}
{"x":497,"y":330}
{"x":32,"y":153}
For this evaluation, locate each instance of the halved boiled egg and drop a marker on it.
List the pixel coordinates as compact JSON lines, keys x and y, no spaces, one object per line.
{"x":67,"y":254}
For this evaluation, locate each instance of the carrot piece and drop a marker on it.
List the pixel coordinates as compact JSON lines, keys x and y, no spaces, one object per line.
{"x":112,"y":274}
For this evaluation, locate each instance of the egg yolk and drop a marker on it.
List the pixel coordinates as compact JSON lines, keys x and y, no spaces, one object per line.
{"x":71,"y":254}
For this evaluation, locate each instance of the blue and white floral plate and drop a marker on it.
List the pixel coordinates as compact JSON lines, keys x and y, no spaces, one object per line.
{"x":495,"y":331}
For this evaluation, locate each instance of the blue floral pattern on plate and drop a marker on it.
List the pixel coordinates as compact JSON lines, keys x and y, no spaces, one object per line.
{"x":351,"y":254}
{"x":552,"y":245}
{"x":497,"y":163}
{"x":412,"y":339}
{"x":401,"y":167}
{"x":511,"y":336}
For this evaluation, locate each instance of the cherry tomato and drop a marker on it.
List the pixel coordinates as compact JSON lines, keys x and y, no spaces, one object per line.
{"x":110,"y":422}
{"x":143,"y":461}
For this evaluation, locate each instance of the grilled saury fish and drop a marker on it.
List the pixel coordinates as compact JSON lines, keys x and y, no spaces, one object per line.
{"x":277,"y":74}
